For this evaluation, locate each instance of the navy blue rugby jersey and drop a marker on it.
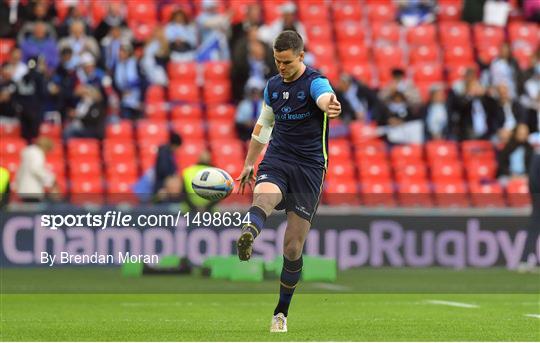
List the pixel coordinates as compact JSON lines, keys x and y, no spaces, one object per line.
{"x":300,"y":133}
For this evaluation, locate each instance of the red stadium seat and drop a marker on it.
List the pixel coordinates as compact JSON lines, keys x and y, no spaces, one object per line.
{"x":189,"y":153}
{"x":339,"y":150}
{"x":451,"y":194}
{"x":438,"y":150}
{"x":361,"y":132}
{"x":353,"y":53}
{"x":350,"y":32}
{"x":121,"y":130}
{"x":372,"y":148}
{"x":157,"y":111}
{"x":142,"y":31}
{"x":386,"y":32}
{"x":221,"y":111}
{"x":323,"y":51}
{"x":272,"y":10}
{"x":411,"y":172}
{"x":340,"y":192}
{"x":125,"y":169}
{"x":119,"y":191}
{"x":377,"y":193}
{"x":481,"y":170}
{"x":155,"y":93}
{"x":11,"y":163}
{"x":524,"y":32}
{"x":427,"y":72}
{"x":477,"y":149}
{"x":517,"y":191}
{"x":51,"y":130}
{"x":488,"y":35}
{"x":523,"y":54}
{"x":457,"y":70}
{"x":422,"y":35}
{"x":374,"y":170}
{"x":11,"y":130}
{"x":142,"y":11}
{"x":233,"y":167}
{"x":458,"y":54}
{"x":487,"y":53}
{"x":454,"y":33}
{"x":424,"y":54}
{"x":83,"y":148}
{"x":319,"y":32}
{"x":449,"y":10}
{"x":227,"y":148}
{"x":414,"y":194}
{"x":312,"y":12}
{"x":487,"y":195}
{"x":347,"y":11}
{"x":149,"y":129}
{"x":192,"y":129}
{"x":6,"y":46}
{"x":217,"y":92}
{"x":187,"y":92}
{"x":360,"y":71}
{"x":182,"y":71}
{"x":186,"y":112}
{"x":342,"y":170}
{"x":381,"y":12}
{"x":114,"y":149}
{"x":407,"y":153}
{"x":87,"y":190}
{"x":447,"y":171}
{"x":85,"y":168}
{"x":11,"y":146}
{"x":221,"y":129}
{"x":216,"y":70}
{"x":388,"y":55}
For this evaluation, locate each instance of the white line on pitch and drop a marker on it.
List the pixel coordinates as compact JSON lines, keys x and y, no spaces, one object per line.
{"x":451,"y":303}
{"x":331,"y":287}
{"x":532,"y":315}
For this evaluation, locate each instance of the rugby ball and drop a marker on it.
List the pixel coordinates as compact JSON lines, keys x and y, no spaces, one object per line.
{"x":212,"y":183}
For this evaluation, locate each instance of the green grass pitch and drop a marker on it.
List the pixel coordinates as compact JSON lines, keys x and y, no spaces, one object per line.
{"x":98,"y":305}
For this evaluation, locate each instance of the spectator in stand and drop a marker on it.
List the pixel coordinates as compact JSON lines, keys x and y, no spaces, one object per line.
{"x":397,"y":110}
{"x":416,"y":12}
{"x":40,"y":43}
{"x":111,"y":45}
{"x":358,"y":101}
{"x":182,"y":37}
{"x":530,"y":99}
{"x":19,"y":67}
{"x":252,"y":60}
{"x":128,"y":83}
{"x":115,"y":18}
{"x":7,"y":92}
{"x":155,"y":58}
{"x":34,"y":179}
{"x":64,"y":82}
{"x":30,"y":98}
{"x":74,"y":14}
{"x":88,"y":117}
{"x":288,"y":21}
{"x":38,"y":10}
{"x":79,"y":42}
{"x":88,"y":73}
{"x":400,"y":83}
{"x":10,"y":18}
{"x":505,"y":70}
{"x":166,"y":161}
{"x":253,"y":19}
{"x":436,"y":114}
{"x":477,"y":114}
{"x":473,"y":11}
{"x":513,"y":159}
{"x":213,"y":28}
{"x":249,"y":108}
{"x":512,"y":111}
{"x":461,"y":86}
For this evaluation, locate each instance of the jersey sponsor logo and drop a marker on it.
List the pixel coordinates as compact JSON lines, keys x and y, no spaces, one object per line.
{"x":303,"y":210}
{"x":286,"y":109}
{"x":274,"y":95}
{"x":301,"y":96}
{"x":262,"y":177}
{"x":285,"y":95}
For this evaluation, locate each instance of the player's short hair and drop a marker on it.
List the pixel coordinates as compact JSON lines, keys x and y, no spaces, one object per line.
{"x":289,"y":39}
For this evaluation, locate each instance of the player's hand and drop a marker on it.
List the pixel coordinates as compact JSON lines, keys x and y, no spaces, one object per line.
{"x":334,"y":107}
{"x":246,"y":177}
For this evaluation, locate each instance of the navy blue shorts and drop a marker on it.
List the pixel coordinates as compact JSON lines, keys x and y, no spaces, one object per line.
{"x":301,"y":186}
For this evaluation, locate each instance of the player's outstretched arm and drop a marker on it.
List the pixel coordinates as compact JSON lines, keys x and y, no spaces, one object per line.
{"x":329,"y":104}
{"x":259,"y":138}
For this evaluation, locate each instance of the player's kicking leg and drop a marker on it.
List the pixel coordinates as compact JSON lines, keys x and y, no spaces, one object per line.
{"x":293,"y":244}
{"x":266,"y":196}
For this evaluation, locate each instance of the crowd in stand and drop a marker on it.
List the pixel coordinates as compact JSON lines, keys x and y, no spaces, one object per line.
{"x":86,"y":74}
